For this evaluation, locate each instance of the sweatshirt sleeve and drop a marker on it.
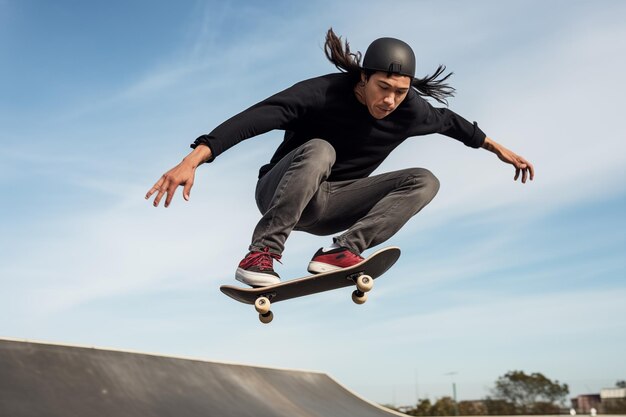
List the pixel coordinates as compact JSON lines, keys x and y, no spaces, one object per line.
{"x":448,"y":123}
{"x":279,"y":111}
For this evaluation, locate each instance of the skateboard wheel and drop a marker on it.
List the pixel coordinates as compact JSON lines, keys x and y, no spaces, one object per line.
{"x":262,"y":305}
{"x":364,"y":283}
{"x":359,"y":297}
{"x":267,"y":317}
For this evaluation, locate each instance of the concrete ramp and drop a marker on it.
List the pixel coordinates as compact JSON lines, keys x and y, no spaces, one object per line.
{"x":38,"y":379}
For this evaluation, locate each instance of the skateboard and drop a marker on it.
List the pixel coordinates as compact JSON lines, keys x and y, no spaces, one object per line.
{"x":362,"y":275}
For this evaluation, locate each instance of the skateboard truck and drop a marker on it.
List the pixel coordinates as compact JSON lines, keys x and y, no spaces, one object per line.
{"x":262,"y":306}
{"x":364,"y":284}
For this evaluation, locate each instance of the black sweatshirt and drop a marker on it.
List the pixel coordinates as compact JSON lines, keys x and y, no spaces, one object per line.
{"x":327,"y":108}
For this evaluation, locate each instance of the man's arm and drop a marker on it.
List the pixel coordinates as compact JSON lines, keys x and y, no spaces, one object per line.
{"x":522,"y":166}
{"x":182,"y":174}
{"x":275,"y":112}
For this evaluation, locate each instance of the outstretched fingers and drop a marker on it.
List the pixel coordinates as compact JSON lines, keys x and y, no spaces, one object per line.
{"x":162,"y":187}
{"x":155,"y":189}
{"x":524,"y":168}
{"x":170,"y":190}
{"x":187,"y":189}
{"x":181,"y":175}
{"x":531,"y":170}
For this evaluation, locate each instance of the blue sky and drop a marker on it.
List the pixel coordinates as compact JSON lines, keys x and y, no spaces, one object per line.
{"x":98,"y":100}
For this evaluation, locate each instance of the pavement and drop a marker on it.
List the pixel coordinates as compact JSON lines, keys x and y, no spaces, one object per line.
{"x":43,"y":379}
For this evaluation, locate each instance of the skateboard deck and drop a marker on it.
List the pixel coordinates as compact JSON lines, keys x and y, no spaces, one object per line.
{"x":361,"y":275}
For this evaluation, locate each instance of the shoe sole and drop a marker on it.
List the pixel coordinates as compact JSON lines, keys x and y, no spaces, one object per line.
{"x":255,"y":279}
{"x":320,"y":267}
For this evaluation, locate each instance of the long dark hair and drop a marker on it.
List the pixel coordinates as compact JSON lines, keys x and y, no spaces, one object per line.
{"x":339,"y":54}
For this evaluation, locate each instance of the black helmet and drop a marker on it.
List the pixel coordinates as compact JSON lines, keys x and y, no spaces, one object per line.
{"x":390,"y":55}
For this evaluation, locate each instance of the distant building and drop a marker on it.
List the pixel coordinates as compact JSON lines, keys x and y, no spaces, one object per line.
{"x":584,"y":403}
{"x":617,"y":393}
{"x":613,"y":400}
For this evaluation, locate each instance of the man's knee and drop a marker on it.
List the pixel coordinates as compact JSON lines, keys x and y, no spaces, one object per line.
{"x":320,"y":151}
{"x":424,"y":181}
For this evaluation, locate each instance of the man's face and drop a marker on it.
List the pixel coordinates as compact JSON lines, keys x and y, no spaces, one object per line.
{"x":383,"y":94}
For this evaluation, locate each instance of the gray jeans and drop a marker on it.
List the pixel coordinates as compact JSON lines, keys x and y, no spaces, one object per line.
{"x":294,"y":195}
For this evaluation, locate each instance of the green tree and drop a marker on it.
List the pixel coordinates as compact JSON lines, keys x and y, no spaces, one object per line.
{"x":526,"y":392}
{"x":443,"y":407}
{"x":620,"y":384}
{"x":544,"y":408}
{"x":423,"y":408}
{"x":472,"y":408}
{"x":497,"y":407}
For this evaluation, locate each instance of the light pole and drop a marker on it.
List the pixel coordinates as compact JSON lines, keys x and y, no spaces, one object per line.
{"x":456,"y":407}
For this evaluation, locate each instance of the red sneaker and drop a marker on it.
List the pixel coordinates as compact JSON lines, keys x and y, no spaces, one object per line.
{"x":257,"y":269}
{"x":331,"y":260}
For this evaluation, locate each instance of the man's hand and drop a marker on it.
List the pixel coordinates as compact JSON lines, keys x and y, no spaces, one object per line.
{"x":182,"y":174}
{"x":522,"y":166}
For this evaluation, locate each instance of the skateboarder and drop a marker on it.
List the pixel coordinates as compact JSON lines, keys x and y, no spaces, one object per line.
{"x":338,"y":129}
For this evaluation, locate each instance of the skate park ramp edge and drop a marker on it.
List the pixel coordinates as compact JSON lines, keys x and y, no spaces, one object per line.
{"x":44,"y":379}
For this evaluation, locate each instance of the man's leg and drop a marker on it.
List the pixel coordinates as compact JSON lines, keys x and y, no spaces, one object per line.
{"x":282,"y":196}
{"x":373,"y":209}
{"x":284,"y":192}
